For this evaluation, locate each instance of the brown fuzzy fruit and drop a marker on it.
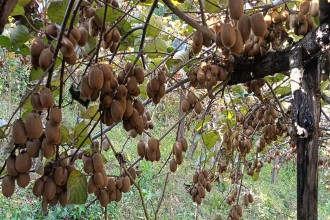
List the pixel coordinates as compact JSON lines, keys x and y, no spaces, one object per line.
{"x":53,"y":133}
{"x":104,"y":198}
{"x":250,"y":198}
{"x":67,"y":48}
{"x":192,"y":99}
{"x":284,"y":15}
{"x":141,"y":149}
{"x":33,"y":147}
{"x":46,"y":98}
{"x":258,"y":24}
{"x":95,"y":78}
{"x":37,"y":45}
{"x":88,"y":164}
{"x":116,"y":35}
{"x":198,"y":107}
{"x":51,"y":32}
{"x":107,"y":72}
{"x":38,"y":187}
{"x":276,"y":17}
{"x":304,"y":7}
{"x":23,"y":179}
{"x":314,"y":8}
{"x":111,"y":186}
{"x":236,"y":8}
{"x":71,"y":60}
{"x":185,"y":105}
{"x":55,"y":115}
{"x":198,"y":40}
{"x":139,"y":74}
{"x":117,"y":111}
{"x":126,"y":184}
{"x":45,"y":58}
{"x":177,"y":148}
{"x":33,"y":125}
{"x":98,"y":162}
{"x":85,"y":90}
{"x":132,"y":84}
{"x":244,"y":27}
{"x":8,"y":186}
{"x":237,"y":49}
{"x":91,"y":188}
{"x":10,"y":166}
{"x":153,"y":144}
{"x":83,"y":36}
{"x":48,"y":149}
{"x":18,"y":133}
{"x":35,"y":101}
{"x":184,"y":144}
{"x":173,"y":165}
{"x":151,"y":93}
{"x":132,"y":172}
{"x":23,"y":162}
{"x":98,"y":180}
{"x":60,"y":176}
{"x":49,"y":189}
{"x":228,"y":35}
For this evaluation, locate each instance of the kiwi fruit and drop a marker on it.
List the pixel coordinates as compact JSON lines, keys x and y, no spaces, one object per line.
{"x":161,"y":91}
{"x":23,"y":179}
{"x":284,"y":15}
{"x":154,"y":84}
{"x":8,"y":186}
{"x":55,"y":115}
{"x":173,"y":165}
{"x":129,"y":108}
{"x":23,"y":162}
{"x":250,"y":198}
{"x":237,"y":49}
{"x":228,"y":36}
{"x":191,"y":97}
{"x":32,"y":147}
{"x":116,"y":35}
{"x":153,"y":144}
{"x":303,"y":29}
{"x":67,"y":48}
{"x":83,"y":36}
{"x":121,"y":92}
{"x":276,"y":18}
{"x":258,"y":24}
{"x":49,"y":191}
{"x":35,"y":101}
{"x":236,"y":9}
{"x":119,"y":183}
{"x":198,"y":39}
{"x":218,"y":40}
{"x":198,"y":107}
{"x":117,"y":111}
{"x":104,"y":198}
{"x":244,"y":27}
{"x":75,"y":34}
{"x":177,"y":148}
{"x":111,"y":186}
{"x":95,"y":78}
{"x":108,"y":34}
{"x":132,"y":172}
{"x":48,"y":149}
{"x":141,"y":149}
{"x":85,"y":90}
{"x":63,"y":198}
{"x":132,"y":84}
{"x":98,"y":162}
{"x":91,"y":188}
{"x":185,"y":105}
{"x":37,"y":45}
{"x":38,"y":187}
{"x":88,"y":165}
{"x":53,"y":133}
{"x":18,"y":132}
{"x":184,"y":144}
{"x":301,"y":18}
{"x":179,"y":159}
{"x":304,"y":7}
{"x":45,"y":58}
{"x":10,"y":166}
{"x":60,"y":176}
{"x":151,"y":93}
{"x":138,"y":106}
{"x":107,"y":72}
{"x":106,"y":102}
{"x":208,"y":186}
{"x":139,"y":74}
{"x":46,"y":98}
{"x":51,"y":32}
{"x":314,"y":8}
{"x":126,"y":183}
{"x":201,"y":192}
{"x":98,"y":180}
{"x":72,"y":59}
{"x":89,"y":12}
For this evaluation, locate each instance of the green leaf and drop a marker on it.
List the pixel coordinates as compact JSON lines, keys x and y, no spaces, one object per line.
{"x":56,"y":11}
{"x":65,"y":134}
{"x":255,"y":176}
{"x":77,"y":188}
{"x":202,"y":123}
{"x":18,"y":10}
{"x":324,"y":84}
{"x":2,"y":134}
{"x":5,"y":42}
{"x":23,"y":2}
{"x":157,"y":22}
{"x":210,"y":139}
{"x":19,"y":35}
{"x":155,"y":45}
{"x":112,"y":14}
{"x":211,"y":6}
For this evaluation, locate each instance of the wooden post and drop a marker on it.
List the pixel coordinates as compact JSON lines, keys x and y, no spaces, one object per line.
{"x":305,"y":86}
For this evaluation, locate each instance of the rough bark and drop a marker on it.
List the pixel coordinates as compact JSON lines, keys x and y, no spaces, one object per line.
{"x":305,"y":86}
{"x":6,"y":7}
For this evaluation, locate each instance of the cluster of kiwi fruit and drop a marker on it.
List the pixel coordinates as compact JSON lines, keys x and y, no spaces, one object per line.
{"x":232,"y":196}
{"x":207,"y":75}
{"x":111,"y":38}
{"x":222,"y":164}
{"x":199,"y":40}
{"x":18,"y":168}
{"x":156,"y":86}
{"x":255,"y":86}
{"x":179,"y":147}
{"x":235,"y":212}
{"x":191,"y":102}
{"x":201,"y":184}
{"x":52,"y":186}
{"x":303,"y":22}
{"x":151,"y":152}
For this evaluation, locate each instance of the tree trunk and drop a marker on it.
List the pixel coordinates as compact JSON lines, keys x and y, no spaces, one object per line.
{"x":305,"y":86}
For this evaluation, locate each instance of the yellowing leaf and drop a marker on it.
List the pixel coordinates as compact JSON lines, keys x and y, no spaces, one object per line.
{"x":77,"y":188}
